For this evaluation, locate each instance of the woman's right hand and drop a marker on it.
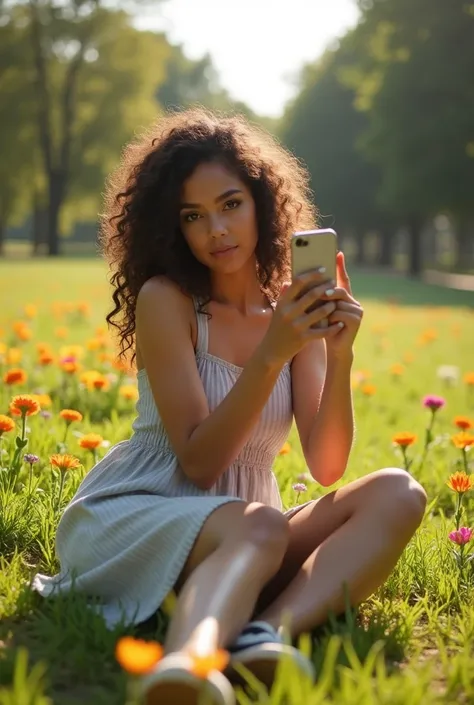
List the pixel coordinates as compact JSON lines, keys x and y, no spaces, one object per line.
{"x":292,"y":325}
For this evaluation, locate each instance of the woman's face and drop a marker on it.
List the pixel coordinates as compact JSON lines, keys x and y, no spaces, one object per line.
{"x":218,"y":219}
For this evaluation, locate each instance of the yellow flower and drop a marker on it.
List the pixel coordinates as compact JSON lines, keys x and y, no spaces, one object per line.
{"x":76,"y":351}
{"x":203,"y":665}
{"x":44,"y":400}
{"x":26,"y":404}
{"x":137,"y":656}
{"x":64,"y":462}
{"x":14,"y":356}
{"x":31,"y":311}
{"x":397,"y":370}
{"x":70,"y":415}
{"x":129,"y":392}
{"x":91,"y":441}
{"x":61,"y":332}
{"x":463,"y":440}
{"x":404,"y":439}
{"x":368,"y":390}
{"x":469,"y":379}
{"x":285,"y":449}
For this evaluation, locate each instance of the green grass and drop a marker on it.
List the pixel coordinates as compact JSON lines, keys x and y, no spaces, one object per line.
{"x":412,"y":642}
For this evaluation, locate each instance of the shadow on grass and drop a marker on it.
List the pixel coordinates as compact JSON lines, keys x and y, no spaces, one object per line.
{"x":388,"y":288}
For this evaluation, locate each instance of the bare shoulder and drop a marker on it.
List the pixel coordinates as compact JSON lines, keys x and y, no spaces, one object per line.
{"x":162,"y":290}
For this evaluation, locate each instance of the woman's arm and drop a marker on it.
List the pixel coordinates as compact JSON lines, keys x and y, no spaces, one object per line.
{"x":205,"y":444}
{"x":322,"y":403}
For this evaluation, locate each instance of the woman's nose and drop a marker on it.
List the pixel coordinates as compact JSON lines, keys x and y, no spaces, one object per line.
{"x":217,"y":226}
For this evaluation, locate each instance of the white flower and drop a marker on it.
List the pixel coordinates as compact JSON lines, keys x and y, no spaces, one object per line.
{"x":448,"y":374}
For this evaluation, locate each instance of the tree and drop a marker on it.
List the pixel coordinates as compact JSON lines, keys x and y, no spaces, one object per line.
{"x":415,"y":60}
{"x":323,"y":127}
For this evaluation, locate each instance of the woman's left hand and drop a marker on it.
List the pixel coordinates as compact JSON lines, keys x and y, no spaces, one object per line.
{"x":348,"y":311}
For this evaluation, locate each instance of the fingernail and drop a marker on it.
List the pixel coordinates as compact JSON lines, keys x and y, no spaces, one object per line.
{"x":340,"y":324}
{"x":329,"y":292}
{"x":321,"y":270}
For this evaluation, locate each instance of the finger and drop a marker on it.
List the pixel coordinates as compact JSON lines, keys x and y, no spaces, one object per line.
{"x":338,"y":294}
{"x":327,"y":332}
{"x":309,"y":299}
{"x":349,"y":307}
{"x":319,"y":314}
{"x":342,"y":275}
{"x":304,"y":282}
{"x":350,"y":320}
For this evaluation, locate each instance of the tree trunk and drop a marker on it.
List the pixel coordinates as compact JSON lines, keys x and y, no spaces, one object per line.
{"x":57,"y":183}
{"x":386,"y":237}
{"x":415,"y":261}
{"x":465,"y":245}
{"x":39,"y":221}
{"x":361,"y":256}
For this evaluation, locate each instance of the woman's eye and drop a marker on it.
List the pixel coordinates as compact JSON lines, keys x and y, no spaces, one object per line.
{"x":230,"y":205}
{"x":190,"y":217}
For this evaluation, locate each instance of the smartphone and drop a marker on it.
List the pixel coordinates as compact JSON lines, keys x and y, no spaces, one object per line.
{"x":311,"y":249}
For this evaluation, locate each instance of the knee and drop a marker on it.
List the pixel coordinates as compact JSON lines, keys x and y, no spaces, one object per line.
{"x":266,"y":528}
{"x":404,"y":499}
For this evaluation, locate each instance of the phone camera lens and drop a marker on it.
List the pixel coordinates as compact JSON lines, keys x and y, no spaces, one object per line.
{"x":301,"y":242}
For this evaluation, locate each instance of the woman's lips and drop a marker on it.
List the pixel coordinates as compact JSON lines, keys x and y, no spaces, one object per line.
{"x":224,"y":252}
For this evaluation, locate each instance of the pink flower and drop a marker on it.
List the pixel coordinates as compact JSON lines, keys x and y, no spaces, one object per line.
{"x":300,"y":487}
{"x":433,"y":402}
{"x":462,"y":536}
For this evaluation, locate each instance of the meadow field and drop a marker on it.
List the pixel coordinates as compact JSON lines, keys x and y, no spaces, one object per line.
{"x":412,"y":643}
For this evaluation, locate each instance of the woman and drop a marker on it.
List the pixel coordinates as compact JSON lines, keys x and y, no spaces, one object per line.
{"x":197,"y":230}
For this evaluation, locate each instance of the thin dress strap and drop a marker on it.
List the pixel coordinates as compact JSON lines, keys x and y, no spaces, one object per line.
{"x":202,"y":328}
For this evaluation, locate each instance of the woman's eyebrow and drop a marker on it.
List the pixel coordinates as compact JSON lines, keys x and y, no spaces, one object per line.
{"x":222,"y":197}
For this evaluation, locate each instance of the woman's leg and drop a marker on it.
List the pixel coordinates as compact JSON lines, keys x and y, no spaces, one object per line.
{"x":240,"y":547}
{"x":350,"y":538}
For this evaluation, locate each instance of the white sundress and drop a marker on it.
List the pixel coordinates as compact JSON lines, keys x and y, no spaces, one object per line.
{"x":126,"y":535}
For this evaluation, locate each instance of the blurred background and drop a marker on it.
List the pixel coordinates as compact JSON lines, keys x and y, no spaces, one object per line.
{"x":375,"y":96}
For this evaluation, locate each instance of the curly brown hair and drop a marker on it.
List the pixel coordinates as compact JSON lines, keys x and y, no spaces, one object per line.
{"x":140,"y":230}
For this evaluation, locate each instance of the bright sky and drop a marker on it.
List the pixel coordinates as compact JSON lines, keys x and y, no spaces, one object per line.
{"x":257,"y":46}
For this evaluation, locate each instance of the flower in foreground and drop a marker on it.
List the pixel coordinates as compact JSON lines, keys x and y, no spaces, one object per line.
{"x":433,"y":402}
{"x":461,"y":536}
{"x":31,"y":458}
{"x":203,"y":665}
{"x":91,"y":441}
{"x":299,"y":487}
{"x":137,"y":656}
{"x":404,"y":439}
{"x":463,"y":422}
{"x":64,"y":462}
{"x":15,"y":376}
{"x":25,"y":404}
{"x":460,"y":482}
{"x":6,"y":424}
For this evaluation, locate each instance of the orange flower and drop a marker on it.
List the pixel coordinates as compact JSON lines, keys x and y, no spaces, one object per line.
{"x":463,"y":440}
{"x":43,"y":348}
{"x":203,"y":665}
{"x":75,"y":351}
{"x":137,"y":656}
{"x":285,"y":449}
{"x":70,"y":367}
{"x":90,"y":441}
{"x":121,"y":366}
{"x":26,"y":404}
{"x":397,"y":370}
{"x":97,"y":343}
{"x":408,"y":357}
{"x":64,"y":462}
{"x":128,"y":391}
{"x":46,"y":358}
{"x":368,"y":390}
{"x":15,"y":376}
{"x":469,"y":378}
{"x":6,"y":424}
{"x":61,"y":332}
{"x":460,"y":482}
{"x":70,"y":415}
{"x":404,"y":439}
{"x":463,"y":422}
{"x":101,"y":383}
{"x":44,"y":400}
{"x":23,"y":332}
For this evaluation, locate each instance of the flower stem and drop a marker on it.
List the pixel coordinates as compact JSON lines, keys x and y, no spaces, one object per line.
{"x":61,"y":485}
{"x":464,"y":460}
{"x":66,"y":432}
{"x":458,"y":512}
